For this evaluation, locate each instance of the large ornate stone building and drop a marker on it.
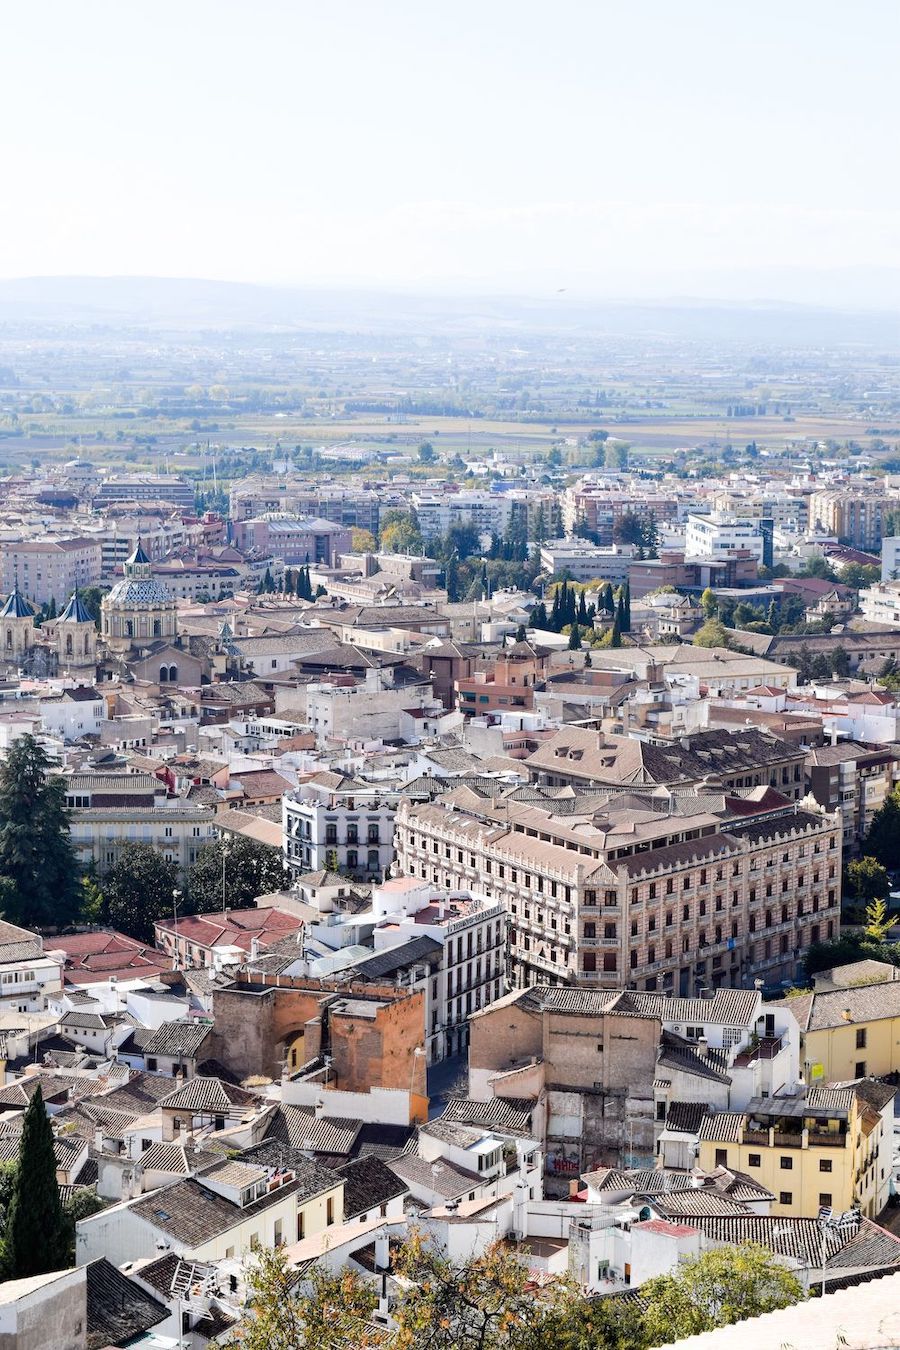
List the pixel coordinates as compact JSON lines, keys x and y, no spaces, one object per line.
{"x":138,"y":611}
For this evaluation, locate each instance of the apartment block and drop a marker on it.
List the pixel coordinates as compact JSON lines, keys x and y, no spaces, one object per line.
{"x":855,"y":518}
{"x":668,"y":891}
{"x":145,"y":488}
{"x":827,"y":1147}
{"x":600,"y":509}
{"x":49,"y":569}
{"x":583,"y":562}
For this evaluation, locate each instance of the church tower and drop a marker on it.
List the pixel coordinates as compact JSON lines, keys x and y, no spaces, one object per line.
{"x":76,"y":636}
{"x":16,"y":628}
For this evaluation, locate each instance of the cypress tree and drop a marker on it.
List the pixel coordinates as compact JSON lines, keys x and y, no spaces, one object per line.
{"x":555,"y":621}
{"x":575,"y":639}
{"x":620,"y":613}
{"x":626,"y":604}
{"x":615,"y":636}
{"x":39,"y":873}
{"x":606,"y":599}
{"x":37,"y":1233}
{"x":582,"y":610}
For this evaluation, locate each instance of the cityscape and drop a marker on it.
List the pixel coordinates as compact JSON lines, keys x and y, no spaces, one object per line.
{"x":449,"y":683}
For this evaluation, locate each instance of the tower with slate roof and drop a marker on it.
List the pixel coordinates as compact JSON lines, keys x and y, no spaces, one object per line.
{"x":76,"y":636}
{"x":16,"y":628}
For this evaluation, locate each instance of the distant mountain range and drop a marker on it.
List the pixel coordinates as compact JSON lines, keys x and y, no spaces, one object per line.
{"x":167,"y":303}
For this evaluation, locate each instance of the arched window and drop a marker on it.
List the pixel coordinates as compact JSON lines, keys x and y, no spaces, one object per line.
{"x":68,"y":644}
{"x":129,"y":628}
{"x":173,"y":674}
{"x":87,"y":645}
{"x":8,"y":638}
{"x":157,"y":628}
{"x":163,"y":674}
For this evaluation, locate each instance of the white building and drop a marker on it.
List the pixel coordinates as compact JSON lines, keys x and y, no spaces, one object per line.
{"x":331,"y":823}
{"x":371,"y":711}
{"x":880,"y":604}
{"x":890,"y":558}
{"x":470,"y":969}
{"x":586,"y":562}
{"x":486,"y":512}
{"x":29,"y":976}
{"x":73,"y":713}
{"x":716,"y":536}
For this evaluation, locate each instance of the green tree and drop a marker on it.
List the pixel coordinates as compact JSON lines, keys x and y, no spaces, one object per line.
{"x":868,"y":879}
{"x":725,"y":1285}
{"x":362,"y":541}
{"x":426,"y":453}
{"x":625,"y":596}
{"x":400,"y":533}
{"x":709,"y":604}
{"x":712,"y":634}
{"x":327,"y":1312}
{"x":521,"y":633}
{"x":613,"y":636}
{"x":840,"y":662}
{"x":139,"y":890}
{"x":92,"y":909}
{"x":821,"y":667}
{"x":820,"y":568}
{"x":883,"y":838}
{"x":628,"y":529}
{"x":575,"y":638}
{"x":249,"y":869}
{"x":91,"y":597}
{"x":484,"y":1303}
{"x":39,"y":874}
{"x":37,"y":1235}
{"x":878,"y":921}
{"x":577,"y":1323}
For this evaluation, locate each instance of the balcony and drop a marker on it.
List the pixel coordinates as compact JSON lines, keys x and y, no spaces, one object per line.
{"x":820,"y":1138}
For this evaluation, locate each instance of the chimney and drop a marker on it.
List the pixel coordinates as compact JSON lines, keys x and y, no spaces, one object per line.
{"x":254,"y":949}
{"x":98,"y":1139}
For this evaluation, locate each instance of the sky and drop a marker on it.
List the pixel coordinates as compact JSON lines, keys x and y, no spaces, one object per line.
{"x":657,"y":148}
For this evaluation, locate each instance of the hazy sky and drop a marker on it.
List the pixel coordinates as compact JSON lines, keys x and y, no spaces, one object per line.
{"x":651,"y":146}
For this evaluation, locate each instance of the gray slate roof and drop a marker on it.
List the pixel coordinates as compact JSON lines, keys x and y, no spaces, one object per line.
{"x":118,"y":1309}
{"x":368,"y":1183}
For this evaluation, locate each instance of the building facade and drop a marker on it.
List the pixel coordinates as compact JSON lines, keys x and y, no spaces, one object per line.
{"x":676,"y":895}
{"x":346,"y":829}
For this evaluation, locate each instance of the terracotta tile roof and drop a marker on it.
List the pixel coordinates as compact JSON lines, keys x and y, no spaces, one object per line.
{"x":192,"y":1214}
{"x":182,"y":1038}
{"x":300,"y":1127}
{"x":501,"y":1114}
{"x":723,"y":1127}
{"x":208,"y":1095}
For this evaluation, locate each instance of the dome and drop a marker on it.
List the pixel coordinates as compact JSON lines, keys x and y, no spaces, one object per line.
{"x":138,"y":593}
